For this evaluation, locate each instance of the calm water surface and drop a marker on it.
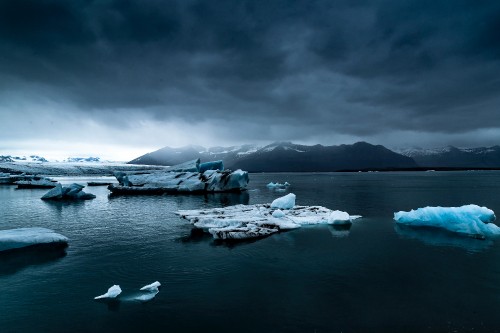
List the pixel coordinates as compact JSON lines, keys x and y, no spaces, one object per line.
{"x":372,"y":277}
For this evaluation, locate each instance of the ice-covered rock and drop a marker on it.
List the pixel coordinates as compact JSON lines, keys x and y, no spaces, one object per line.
{"x":255,"y":221}
{"x":199,"y":178}
{"x":285,"y":202}
{"x":23,"y":237}
{"x":70,"y":192}
{"x":112,"y":292}
{"x":471,"y":220}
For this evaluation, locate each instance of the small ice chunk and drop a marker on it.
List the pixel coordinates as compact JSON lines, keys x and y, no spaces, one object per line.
{"x":278,"y":213}
{"x":285,"y":202}
{"x":113,"y":291}
{"x":339,"y":217}
{"x":152,"y":287}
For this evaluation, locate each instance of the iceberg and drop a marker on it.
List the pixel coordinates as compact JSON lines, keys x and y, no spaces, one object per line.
{"x":189,"y":177}
{"x":112,"y":292}
{"x":71,"y":192}
{"x":286,"y":202}
{"x":214,"y":165}
{"x":471,"y":220}
{"x":241,"y":222}
{"x":13,"y":239}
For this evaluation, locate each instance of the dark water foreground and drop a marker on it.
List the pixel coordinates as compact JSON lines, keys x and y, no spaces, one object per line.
{"x":373,"y":277}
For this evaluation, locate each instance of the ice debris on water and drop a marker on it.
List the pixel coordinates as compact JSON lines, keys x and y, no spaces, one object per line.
{"x":470,"y":220}
{"x":241,"y":222}
{"x":113,"y":292}
{"x":277,"y":185}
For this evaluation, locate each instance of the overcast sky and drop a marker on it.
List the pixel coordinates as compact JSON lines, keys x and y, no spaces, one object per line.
{"x":120,"y":78}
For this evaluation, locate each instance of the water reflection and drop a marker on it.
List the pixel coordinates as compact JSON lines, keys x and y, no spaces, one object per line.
{"x":228,"y":199}
{"x":439,"y":237}
{"x":340,"y":231}
{"x":16,"y":260}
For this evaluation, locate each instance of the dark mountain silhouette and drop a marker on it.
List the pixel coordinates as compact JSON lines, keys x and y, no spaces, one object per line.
{"x":287,"y":157}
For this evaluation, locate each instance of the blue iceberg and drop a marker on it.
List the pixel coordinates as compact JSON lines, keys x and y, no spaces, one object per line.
{"x":470,"y":220}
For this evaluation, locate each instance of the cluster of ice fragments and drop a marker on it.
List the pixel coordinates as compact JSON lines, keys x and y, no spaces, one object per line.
{"x":278,"y":186}
{"x":147,"y":293}
{"x":189,"y":177}
{"x":71,"y":192}
{"x":13,"y":239}
{"x":254,"y":221}
{"x":470,"y":220}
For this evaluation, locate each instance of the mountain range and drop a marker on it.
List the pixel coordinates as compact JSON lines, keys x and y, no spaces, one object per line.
{"x":290,"y":157}
{"x":286,"y":157}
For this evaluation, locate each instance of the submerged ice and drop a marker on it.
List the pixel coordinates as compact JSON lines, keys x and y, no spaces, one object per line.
{"x":255,"y":221}
{"x":471,"y":220}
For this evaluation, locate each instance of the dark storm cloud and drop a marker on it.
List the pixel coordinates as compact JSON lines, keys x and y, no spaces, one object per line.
{"x":356,"y":68}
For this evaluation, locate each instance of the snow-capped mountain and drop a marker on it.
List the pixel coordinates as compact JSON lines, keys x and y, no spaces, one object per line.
{"x":82,"y":160}
{"x":171,"y":156}
{"x":31,"y":158}
{"x":453,"y":157}
{"x":285,"y":156}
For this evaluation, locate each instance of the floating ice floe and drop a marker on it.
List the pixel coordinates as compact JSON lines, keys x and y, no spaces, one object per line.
{"x":277,"y":185}
{"x":189,"y":177}
{"x":152,"y":287}
{"x":150,"y":291}
{"x":255,"y":221}
{"x":470,"y":220}
{"x":71,"y":192}
{"x":36,"y":182}
{"x":13,"y":239}
{"x":112,"y":292}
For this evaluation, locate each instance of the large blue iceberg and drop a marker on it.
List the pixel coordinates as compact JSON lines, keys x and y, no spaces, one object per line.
{"x":470,"y":220}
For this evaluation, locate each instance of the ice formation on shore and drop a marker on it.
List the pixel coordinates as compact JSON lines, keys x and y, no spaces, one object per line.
{"x":189,"y":177}
{"x":470,"y":220}
{"x":254,"y":221}
{"x":71,"y":192}
{"x":13,"y":239}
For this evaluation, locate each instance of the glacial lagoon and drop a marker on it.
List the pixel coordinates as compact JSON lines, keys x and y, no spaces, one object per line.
{"x":371,"y":276}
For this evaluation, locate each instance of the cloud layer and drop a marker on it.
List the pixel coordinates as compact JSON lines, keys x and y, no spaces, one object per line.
{"x":217,"y":72}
